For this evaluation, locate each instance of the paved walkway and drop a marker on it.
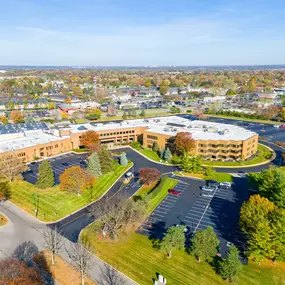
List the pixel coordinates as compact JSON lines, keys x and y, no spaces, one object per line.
{"x":22,"y":228}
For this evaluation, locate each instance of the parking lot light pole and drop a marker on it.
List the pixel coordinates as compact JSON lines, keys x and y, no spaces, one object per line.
{"x":34,"y":196}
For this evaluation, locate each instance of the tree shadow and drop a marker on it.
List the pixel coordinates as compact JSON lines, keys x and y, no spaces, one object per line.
{"x":28,"y":253}
{"x":110,"y":276}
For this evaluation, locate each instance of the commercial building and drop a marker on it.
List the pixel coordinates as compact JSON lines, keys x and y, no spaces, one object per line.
{"x":212,"y":141}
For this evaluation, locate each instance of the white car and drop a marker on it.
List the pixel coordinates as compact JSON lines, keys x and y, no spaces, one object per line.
{"x":209,"y":195}
{"x":208,"y":189}
{"x":276,"y":126}
{"x":225,"y":185}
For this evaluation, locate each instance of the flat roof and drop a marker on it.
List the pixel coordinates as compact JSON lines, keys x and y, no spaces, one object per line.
{"x":171,"y":125}
{"x":31,"y":138}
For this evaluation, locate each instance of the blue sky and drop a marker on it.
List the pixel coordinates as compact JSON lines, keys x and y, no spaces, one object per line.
{"x":128,"y":32}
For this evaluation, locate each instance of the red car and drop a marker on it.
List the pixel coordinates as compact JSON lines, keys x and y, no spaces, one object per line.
{"x":174,"y":192}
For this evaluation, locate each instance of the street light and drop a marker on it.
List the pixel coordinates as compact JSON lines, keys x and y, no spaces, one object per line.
{"x":36,"y":203}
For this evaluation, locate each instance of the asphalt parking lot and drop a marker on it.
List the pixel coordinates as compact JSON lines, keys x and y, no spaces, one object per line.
{"x":58,"y":163}
{"x":198,"y":212}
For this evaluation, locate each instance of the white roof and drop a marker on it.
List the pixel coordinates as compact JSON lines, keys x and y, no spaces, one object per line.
{"x":31,"y":138}
{"x":200,"y":130}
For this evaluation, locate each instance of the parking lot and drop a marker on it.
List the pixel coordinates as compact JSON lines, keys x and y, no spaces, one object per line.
{"x":197,"y":212}
{"x":58,"y":163}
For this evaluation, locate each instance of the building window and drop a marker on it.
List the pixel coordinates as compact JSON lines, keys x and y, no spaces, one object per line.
{"x":152,"y":137}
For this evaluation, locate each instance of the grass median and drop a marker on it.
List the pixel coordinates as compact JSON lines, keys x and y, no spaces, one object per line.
{"x":54,"y":203}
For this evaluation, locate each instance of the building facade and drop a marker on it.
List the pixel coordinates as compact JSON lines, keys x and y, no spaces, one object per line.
{"x":212,"y":141}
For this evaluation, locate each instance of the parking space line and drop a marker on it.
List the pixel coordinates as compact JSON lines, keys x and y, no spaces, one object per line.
{"x":167,"y":202}
{"x":155,"y":214}
{"x":157,"y":210}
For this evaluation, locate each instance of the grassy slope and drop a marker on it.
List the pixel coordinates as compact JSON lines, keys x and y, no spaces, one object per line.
{"x":54,"y":200}
{"x":135,"y":256}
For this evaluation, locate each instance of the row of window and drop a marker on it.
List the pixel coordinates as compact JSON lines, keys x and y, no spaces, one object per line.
{"x":221,"y":151}
{"x":221,"y":145}
{"x":152,"y":137}
{"x":116,"y":133}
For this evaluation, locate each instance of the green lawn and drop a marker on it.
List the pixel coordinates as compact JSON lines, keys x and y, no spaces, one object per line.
{"x":218,"y":176}
{"x":150,"y":154}
{"x":264,"y":154}
{"x":63,"y":203}
{"x":134,"y":255}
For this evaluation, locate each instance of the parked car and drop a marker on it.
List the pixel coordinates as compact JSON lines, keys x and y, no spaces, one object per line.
{"x":207,"y":195}
{"x":65,"y":164}
{"x":208,"y":189}
{"x":251,"y":190}
{"x":282,"y":127}
{"x":225,"y":185}
{"x":174,"y":192}
{"x":213,"y":183}
{"x":276,"y":126}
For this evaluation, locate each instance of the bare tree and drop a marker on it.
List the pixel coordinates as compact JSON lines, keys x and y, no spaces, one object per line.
{"x":11,"y":165}
{"x":117,"y":212}
{"x":81,"y":258}
{"x":53,"y":241}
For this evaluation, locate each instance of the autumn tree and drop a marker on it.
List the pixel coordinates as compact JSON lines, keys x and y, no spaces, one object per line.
{"x":200,"y":115}
{"x":174,"y":239}
{"x":17,"y":117}
{"x":13,"y":271}
{"x":184,"y":142}
{"x":76,"y":179}
{"x":11,"y":165}
{"x":67,"y":100}
{"x":4,"y":120}
{"x":149,"y":175}
{"x":205,"y":244}
{"x":88,"y":138}
{"x":45,"y":175}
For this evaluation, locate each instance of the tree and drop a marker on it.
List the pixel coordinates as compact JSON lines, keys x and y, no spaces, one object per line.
{"x":5,"y":190}
{"x":53,"y":241}
{"x":230,"y":266}
{"x":88,"y":138}
{"x":116,"y":213}
{"x":174,"y":239}
{"x":184,"y":142}
{"x":155,"y":147}
{"x":191,"y":164}
{"x":13,"y":271}
{"x":124,"y":117}
{"x":45,"y":175}
{"x":94,"y":115}
{"x":209,"y":170}
{"x":142,"y":114}
{"x":163,"y":87}
{"x":123,"y":159}
{"x":77,"y":91}
{"x":167,"y":155}
{"x":94,"y":166}
{"x":4,"y":120}
{"x":11,"y":165}
{"x":75,"y":179}
{"x":149,"y":175}
{"x":205,"y":244}
{"x":106,"y":160}
{"x":231,"y":92}
{"x":81,"y":258}
{"x":16,"y":117}
{"x":112,"y":111}
{"x":67,"y":100}
{"x":271,"y":184}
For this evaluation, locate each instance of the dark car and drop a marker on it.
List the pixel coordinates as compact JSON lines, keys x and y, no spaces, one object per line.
{"x":65,"y":164}
{"x":174,"y":192}
{"x":213,"y":183}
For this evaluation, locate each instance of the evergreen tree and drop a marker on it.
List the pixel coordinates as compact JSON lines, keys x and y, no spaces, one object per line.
{"x":106,"y":160}
{"x":155,"y":147}
{"x":5,"y":190}
{"x":230,"y":266}
{"x":94,"y":166}
{"x":142,"y":114}
{"x":167,"y":155}
{"x":45,"y":175}
{"x":123,"y":159}
{"x":205,"y":244}
{"x":162,"y":154}
{"x":124,"y":117}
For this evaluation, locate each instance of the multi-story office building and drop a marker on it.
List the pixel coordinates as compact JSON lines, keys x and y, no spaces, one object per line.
{"x":212,"y":141}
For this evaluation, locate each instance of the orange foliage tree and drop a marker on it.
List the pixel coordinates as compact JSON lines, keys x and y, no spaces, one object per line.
{"x":88,"y":138}
{"x":184,"y":142}
{"x":76,"y":179}
{"x":16,"y":117}
{"x":13,"y":271}
{"x":149,"y":175}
